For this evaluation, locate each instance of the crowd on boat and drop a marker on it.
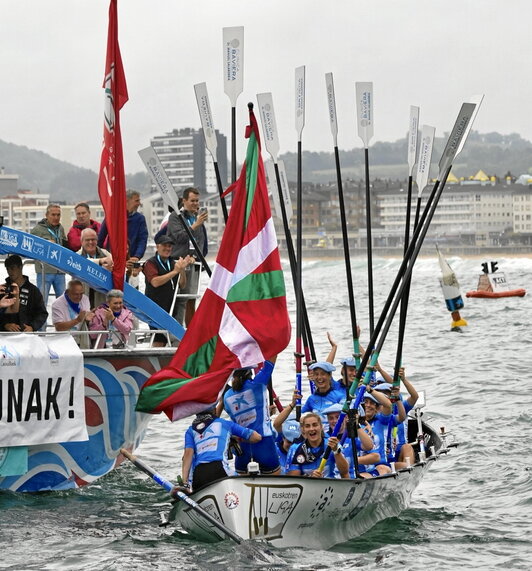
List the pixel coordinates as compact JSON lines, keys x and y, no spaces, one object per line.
{"x":172,"y":270}
{"x":372,"y":441}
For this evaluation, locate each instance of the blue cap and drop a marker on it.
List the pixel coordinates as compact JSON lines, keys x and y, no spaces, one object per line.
{"x":327,"y":367}
{"x":371,"y":397}
{"x":383,"y":387}
{"x":291,"y":429}
{"x":336,"y":407}
{"x":348,"y":362}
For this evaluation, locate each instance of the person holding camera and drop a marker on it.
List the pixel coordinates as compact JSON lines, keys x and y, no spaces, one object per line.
{"x":195,"y":218}
{"x":28,"y":312}
{"x":165,"y":276}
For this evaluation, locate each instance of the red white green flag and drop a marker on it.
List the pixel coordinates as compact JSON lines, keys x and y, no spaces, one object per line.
{"x":112,"y":180}
{"x":242,"y":319}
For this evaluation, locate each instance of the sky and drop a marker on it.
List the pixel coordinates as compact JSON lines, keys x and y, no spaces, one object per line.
{"x":434,"y":54}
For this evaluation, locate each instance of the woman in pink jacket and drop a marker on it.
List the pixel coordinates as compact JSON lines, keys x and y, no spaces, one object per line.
{"x":114,"y":318}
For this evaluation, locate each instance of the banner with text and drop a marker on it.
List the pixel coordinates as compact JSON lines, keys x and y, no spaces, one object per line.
{"x":42,"y":397}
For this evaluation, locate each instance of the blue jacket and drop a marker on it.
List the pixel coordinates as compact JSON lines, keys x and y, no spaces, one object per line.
{"x":137,"y":234}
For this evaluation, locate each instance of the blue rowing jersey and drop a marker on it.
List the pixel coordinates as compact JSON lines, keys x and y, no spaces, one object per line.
{"x":250,"y":406}
{"x":211,"y":445}
{"x":306,"y":459}
{"x":379,"y":428}
{"x":319,"y":402}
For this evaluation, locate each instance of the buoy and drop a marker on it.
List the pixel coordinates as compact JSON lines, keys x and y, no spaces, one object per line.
{"x":451,"y":293}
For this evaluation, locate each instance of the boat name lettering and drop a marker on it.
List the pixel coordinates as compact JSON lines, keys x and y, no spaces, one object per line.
{"x":22,"y":401}
{"x":285,"y":495}
{"x":280,"y":507}
{"x":302,"y":525}
{"x":73,"y":264}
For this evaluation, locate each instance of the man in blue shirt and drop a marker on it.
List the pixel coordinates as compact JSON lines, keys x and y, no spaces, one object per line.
{"x":206,"y":443}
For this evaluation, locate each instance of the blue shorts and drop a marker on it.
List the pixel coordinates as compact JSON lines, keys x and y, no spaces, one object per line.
{"x":263,"y":452}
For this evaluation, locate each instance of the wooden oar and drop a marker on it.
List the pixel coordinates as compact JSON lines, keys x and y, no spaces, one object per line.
{"x":364,"y":97}
{"x":170,"y":488}
{"x":347,"y":258}
{"x":233,"y":58}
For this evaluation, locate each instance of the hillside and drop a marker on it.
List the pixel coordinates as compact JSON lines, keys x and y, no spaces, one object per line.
{"x":493,"y":153}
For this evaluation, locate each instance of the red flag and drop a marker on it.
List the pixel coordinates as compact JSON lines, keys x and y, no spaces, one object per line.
{"x":112,"y":180}
{"x":242,"y":318}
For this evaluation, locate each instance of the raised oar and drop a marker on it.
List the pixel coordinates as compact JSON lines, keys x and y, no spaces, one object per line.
{"x":209,"y":132}
{"x":271,"y":142}
{"x":347,"y":258}
{"x":412,"y":157}
{"x":233,"y":58}
{"x":170,"y":488}
{"x":364,"y":97}
{"x":161,"y":181}
{"x":300,"y":123}
{"x":460,"y":131}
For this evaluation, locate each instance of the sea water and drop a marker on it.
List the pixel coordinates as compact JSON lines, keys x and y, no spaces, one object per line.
{"x":472,"y":510}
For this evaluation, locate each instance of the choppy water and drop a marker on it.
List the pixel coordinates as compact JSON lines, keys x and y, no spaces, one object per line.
{"x":472,"y":510}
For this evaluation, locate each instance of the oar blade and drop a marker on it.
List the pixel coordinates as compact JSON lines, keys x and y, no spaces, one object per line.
{"x":207,"y":124}
{"x":269,"y":125}
{"x":412,"y":138}
{"x":300,"y":100}
{"x":233,"y":62}
{"x":425,"y":156}
{"x":364,"y":97}
{"x":159,"y":177}
{"x":331,"y":104}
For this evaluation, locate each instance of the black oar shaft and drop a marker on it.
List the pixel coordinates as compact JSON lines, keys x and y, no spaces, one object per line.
{"x":299,"y":275}
{"x":233,"y":144}
{"x":220,"y":190}
{"x":369,"y":244}
{"x":345,"y":239}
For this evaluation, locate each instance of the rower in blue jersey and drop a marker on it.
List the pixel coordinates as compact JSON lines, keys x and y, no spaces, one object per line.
{"x":378,"y":410}
{"x":366,"y":454}
{"x":206,"y":443}
{"x":247,"y":404}
{"x":287,"y":429}
{"x":399,"y":450}
{"x":304,"y":457}
{"x":325,"y":394}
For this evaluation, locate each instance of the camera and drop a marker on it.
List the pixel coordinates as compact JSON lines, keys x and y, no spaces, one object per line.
{"x":203,"y":209}
{"x":137,"y":264}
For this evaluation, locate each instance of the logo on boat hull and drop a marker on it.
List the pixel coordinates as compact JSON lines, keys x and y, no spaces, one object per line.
{"x":231,"y":500}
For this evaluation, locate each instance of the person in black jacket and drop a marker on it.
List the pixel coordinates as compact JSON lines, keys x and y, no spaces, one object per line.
{"x":28,"y":313}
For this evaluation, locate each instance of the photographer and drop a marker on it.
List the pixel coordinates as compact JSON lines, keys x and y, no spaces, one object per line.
{"x":195,"y":219}
{"x":28,"y":312}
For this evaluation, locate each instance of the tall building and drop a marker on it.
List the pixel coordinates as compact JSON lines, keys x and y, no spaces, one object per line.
{"x":187,"y":162}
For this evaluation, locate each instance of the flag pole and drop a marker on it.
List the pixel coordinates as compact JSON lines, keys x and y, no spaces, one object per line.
{"x":209,"y":132}
{"x":233,"y":58}
{"x":271,"y":142}
{"x":329,"y":82}
{"x":364,"y":97}
{"x":300,"y":123}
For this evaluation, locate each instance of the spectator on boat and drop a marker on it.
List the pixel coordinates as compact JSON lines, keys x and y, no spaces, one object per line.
{"x":206,"y":444}
{"x":325,"y":394}
{"x":114,"y":318}
{"x":83,"y":221}
{"x":137,"y":229}
{"x":50,"y":228}
{"x":28,"y":311}
{"x":165,"y":277}
{"x":304,"y":457}
{"x":90,"y":250}
{"x":366,"y":455}
{"x":401,"y":452}
{"x":247,"y":404}
{"x":196,"y":219}
{"x":378,"y":411}
{"x":71,"y":312}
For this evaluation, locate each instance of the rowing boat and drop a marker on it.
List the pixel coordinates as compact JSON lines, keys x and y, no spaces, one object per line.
{"x":290,"y":511}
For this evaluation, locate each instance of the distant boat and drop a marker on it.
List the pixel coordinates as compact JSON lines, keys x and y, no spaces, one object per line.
{"x":492,"y":284}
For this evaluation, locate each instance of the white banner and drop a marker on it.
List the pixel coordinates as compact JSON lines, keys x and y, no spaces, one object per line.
{"x":42,"y":397}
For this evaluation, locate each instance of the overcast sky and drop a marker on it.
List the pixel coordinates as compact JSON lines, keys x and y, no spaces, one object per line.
{"x":431,"y":53}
